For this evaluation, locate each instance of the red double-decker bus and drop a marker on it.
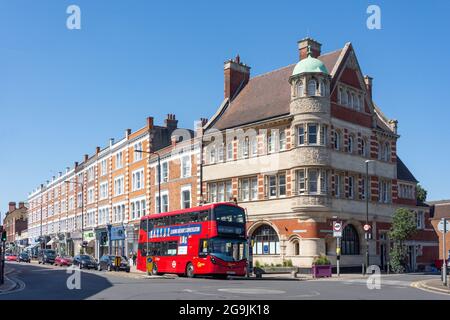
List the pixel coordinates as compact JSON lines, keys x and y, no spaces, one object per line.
{"x":206,"y":240}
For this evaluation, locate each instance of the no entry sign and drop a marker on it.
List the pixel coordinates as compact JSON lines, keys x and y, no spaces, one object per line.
{"x":337,"y":229}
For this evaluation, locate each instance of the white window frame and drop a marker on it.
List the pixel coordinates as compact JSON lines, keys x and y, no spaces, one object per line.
{"x":182,"y":200}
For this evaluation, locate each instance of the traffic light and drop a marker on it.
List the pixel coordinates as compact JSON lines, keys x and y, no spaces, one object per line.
{"x":3,"y":235}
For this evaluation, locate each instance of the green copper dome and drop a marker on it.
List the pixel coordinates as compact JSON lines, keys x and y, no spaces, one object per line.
{"x":311,"y":65}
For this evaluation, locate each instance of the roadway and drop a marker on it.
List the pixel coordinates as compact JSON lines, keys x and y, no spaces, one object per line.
{"x":36,"y":282}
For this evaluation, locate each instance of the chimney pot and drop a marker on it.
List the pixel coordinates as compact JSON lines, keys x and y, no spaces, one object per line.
{"x":12,"y":206}
{"x":171,"y":122}
{"x":86,"y":157}
{"x":236,"y":76}
{"x":97,"y":150}
{"x":76,"y":164}
{"x":307,"y":44}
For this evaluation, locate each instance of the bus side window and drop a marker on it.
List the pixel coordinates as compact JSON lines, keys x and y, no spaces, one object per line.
{"x":203,"y":216}
{"x":193,"y":217}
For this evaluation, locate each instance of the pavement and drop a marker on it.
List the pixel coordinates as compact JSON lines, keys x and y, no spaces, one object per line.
{"x":37,"y":282}
{"x":432,"y":285}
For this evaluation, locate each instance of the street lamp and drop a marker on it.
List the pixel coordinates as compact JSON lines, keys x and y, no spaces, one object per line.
{"x":159,"y":188}
{"x":82,"y":210}
{"x":367,"y":212}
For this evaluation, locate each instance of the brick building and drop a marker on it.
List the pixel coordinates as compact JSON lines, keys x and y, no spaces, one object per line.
{"x":441,"y":210}
{"x":291,"y":146}
{"x":15,"y":224}
{"x":101,"y":200}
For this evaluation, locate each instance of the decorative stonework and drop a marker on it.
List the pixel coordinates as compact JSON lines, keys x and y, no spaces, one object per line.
{"x":310,"y":156}
{"x":310,"y":105}
{"x":304,"y":201}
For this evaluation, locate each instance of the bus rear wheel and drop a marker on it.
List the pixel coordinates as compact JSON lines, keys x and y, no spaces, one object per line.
{"x":190,"y":270}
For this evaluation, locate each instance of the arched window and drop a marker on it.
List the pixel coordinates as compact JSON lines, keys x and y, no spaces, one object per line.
{"x":344,"y":97}
{"x":337,"y":140}
{"x":363,"y":148}
{"x":350,"y":144}
{"x":300,"y":89}
{"x":350,"y":241}
{"x":380,"y":151}
{"x":323,"y":91}
{"x":266,"y":241}
{"x":387,"y":151}
{"x":341,"y":96}
{"x":358,"y":103}
{"x":296,"y":247}
{"x":312,"y":87}
{"x":349,"y":99}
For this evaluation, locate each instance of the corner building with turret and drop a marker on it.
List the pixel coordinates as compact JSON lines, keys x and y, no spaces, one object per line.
{"x":291,"y":146}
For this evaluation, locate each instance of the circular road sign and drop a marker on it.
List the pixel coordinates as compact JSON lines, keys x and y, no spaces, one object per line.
{"x":366,"y":227}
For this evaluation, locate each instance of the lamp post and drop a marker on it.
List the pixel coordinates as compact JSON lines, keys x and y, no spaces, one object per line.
{"x":159,"y":189}
{"x":367,"y":232}
{"x":82,"y":210}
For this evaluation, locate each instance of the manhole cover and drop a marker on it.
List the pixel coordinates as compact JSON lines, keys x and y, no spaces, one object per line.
{"x":251,"y":291}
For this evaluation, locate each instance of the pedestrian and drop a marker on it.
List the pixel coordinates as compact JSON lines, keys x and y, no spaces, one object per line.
{"x":134,"y":259}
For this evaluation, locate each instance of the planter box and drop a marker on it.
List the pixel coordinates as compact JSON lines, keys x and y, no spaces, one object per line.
{"x":321,"y":271}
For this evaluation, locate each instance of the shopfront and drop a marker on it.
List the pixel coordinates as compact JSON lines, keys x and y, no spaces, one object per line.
{"x":117,"y":236}
{"x":132,"y":237}
{"x":89,"y":240}
{"x":102,"y":246}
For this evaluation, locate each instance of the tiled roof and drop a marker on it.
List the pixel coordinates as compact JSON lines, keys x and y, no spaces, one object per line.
{"x":403,"y":172}
{"x":265,"y":96}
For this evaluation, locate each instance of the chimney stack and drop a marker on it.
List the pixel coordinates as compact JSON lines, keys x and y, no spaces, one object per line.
{"x":76,"y":164}
{"x":127,"y":133}
{"x":12,"y":206}
{"x":171,"y":122}
{"x":86,"y":157}
{"x":236,"y":76}
{"x":97,"y":150}
{"x":149,"y":122}
{"x":111,"y":142}
{"x":368,"y":81}
{"x":21,"y":205}
{"x":308,"y":44}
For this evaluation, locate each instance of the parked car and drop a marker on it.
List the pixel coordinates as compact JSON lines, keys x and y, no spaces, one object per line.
{"x":84,"y":261}
{"x":46,"y":256}
{"x":63,"y":261}
{"x":108,"y":262}
{"x":10,"y":257}
{"x":23,"y":257}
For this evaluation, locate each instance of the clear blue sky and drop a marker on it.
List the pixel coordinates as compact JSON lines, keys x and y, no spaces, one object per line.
{"x":64,"y":92}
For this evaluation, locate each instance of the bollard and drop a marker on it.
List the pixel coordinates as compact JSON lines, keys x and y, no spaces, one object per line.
{"x":362,"y":269}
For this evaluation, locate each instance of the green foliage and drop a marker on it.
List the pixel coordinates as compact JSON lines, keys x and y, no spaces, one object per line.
{"x":398,"y":256}
{"x":403,"y":227}
{"x":421,"y":193}
{"x":287,"y":263}
{"x":257,"y":264}
{"x":321,"y":260}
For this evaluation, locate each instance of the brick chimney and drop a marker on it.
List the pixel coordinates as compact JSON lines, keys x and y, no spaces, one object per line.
{"x":368,"y":81}
{"x":236,"y":76}
{"x":127,"y":133}
{"x":150,"y":122}
{"x":314,"y":46}
{"x":171,"y":122}
{"x":86,"y":157}
{"x":12,"y":206}
{"x":21,"y":205}
{"x":97,"y":150}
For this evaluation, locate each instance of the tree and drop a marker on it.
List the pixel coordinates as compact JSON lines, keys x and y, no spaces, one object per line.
{"x":421,"y":193}
{"x":403,"y":226}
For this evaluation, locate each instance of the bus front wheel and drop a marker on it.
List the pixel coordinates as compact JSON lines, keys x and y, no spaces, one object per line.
{"x":155,"y":270}
{"x":190,"y":270}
